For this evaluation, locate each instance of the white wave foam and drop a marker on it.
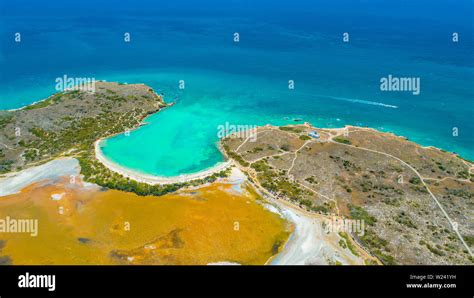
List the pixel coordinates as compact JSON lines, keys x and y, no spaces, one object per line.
{"x":367,"y":102}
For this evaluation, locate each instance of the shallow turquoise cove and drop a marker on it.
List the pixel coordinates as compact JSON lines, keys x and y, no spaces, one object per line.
{"x":246,"y":83}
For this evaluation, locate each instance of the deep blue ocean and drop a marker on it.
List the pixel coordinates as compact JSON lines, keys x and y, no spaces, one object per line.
{"x":246,"y":82}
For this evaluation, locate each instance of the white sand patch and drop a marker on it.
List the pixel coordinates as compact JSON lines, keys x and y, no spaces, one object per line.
{"x":236,"y":176}
{"x":57,"y":196}
{"x":14,"y":182}
{"x":224,"y":264}
{"x":273,"y":209}
{"x":309,"y":244}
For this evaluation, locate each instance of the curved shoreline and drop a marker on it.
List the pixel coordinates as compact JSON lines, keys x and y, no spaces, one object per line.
{"x":155,"y":180}
{"x":152,"y":179}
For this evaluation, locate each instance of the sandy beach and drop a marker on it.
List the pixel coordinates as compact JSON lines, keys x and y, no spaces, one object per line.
{"x":151,"y":179}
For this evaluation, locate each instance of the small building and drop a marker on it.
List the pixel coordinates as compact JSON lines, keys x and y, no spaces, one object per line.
{"x":314,"y":134}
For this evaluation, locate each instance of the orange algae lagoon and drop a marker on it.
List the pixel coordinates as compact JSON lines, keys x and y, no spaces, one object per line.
{"x":87,"y":225}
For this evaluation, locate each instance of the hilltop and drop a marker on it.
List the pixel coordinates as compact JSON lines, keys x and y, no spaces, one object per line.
{"x":67,"y":122}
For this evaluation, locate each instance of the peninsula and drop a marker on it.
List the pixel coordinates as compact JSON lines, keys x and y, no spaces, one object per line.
{"x":72,"y":123}
{"x":415,"y":203}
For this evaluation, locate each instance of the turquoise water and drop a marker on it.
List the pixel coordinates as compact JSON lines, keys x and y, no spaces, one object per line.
{"x":183,"y":138}
{"x":246,"y":83}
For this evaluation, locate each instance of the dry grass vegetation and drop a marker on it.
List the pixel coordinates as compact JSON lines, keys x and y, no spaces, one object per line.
{"x":336,"y":175}
{"x":68,"y":124}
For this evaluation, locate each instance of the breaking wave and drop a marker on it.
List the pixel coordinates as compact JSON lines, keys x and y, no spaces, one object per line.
{"x":367,"y":102}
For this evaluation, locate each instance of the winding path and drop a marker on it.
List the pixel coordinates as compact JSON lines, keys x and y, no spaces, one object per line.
{"x":453,"y":225}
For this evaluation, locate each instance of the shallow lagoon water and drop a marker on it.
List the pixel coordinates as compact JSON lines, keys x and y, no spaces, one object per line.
{"x":114,"y":227}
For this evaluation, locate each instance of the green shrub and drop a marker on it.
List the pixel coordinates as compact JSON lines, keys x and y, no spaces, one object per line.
{"x":342,"y":140}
